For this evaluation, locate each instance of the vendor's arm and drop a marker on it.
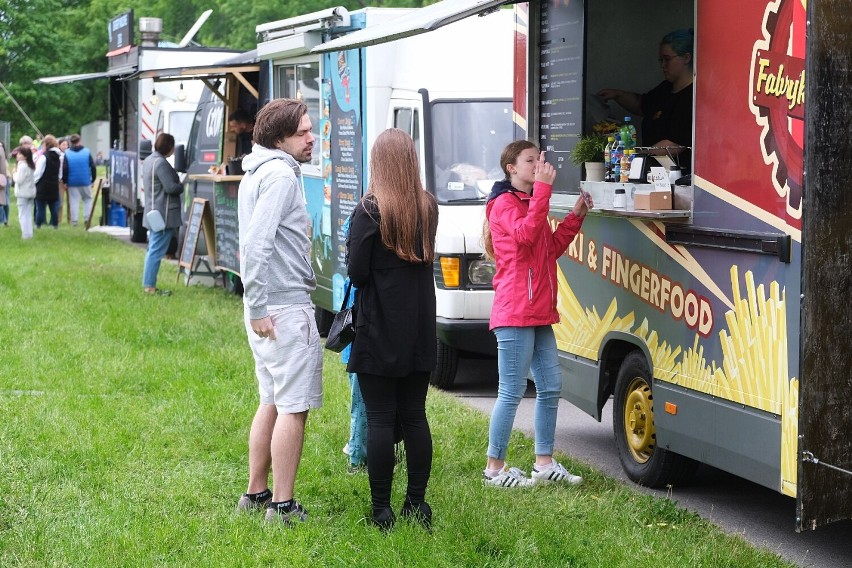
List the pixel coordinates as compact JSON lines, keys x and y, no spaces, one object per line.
{"x":632,"y":102}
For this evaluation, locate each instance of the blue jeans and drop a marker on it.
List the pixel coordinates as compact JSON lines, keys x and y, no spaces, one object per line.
{"x":357,"y":424}
{"x":158,"y":244}
{"x":519,"y":351}
{"x":41,"y":207}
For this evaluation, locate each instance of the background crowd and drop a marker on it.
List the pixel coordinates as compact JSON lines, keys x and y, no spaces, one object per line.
{"x":47,"y":176}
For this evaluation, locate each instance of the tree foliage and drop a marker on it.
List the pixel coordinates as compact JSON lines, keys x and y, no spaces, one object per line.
{"x":42,"y":38}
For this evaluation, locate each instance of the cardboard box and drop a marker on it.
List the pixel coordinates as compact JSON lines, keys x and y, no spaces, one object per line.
{"x":652,"y":200}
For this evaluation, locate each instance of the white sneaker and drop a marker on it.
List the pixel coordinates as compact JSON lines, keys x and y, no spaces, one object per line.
{"x":554,"y":472}
{"x":508,"y":477}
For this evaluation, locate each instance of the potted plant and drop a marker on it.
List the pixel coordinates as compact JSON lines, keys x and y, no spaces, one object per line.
{"x":589,"y":152}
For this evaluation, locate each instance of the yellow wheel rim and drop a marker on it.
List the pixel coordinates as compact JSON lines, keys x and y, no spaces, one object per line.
{"x":639,"y":420}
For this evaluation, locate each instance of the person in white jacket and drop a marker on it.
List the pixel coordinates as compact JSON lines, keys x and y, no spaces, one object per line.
{"x":25,"y":190}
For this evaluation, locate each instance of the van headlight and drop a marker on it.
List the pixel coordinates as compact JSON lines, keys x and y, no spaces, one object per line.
{"x":480,"y":272}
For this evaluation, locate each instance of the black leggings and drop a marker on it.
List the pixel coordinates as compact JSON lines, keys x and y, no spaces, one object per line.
{"x":385,"y":399}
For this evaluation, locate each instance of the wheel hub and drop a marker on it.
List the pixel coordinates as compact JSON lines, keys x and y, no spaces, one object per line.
{"x":639,"y":421}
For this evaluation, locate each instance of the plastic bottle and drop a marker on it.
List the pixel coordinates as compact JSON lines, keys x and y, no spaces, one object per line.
{"x":608,"y":157}
{"x":615,"y":156}
{"x":625,"y":166}
{"x":628,"y":133}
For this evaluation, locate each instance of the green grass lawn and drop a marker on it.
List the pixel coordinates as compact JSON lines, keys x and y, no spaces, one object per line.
{"x":124,"y":443}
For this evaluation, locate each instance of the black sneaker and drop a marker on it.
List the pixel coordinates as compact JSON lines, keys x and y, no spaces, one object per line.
{"x":276,"y":513}
{"x":256,"y":502}
{"x":421,"y":512}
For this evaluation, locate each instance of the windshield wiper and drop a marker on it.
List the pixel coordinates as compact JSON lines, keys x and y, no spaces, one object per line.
{"x":464,"y":200}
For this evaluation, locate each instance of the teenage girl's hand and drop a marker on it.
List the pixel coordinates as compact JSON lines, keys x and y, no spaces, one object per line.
{"x":583,"y":204}
{"x":544,"y":172}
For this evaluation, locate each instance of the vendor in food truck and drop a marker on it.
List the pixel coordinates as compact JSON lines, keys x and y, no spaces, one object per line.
{"x":242,"y":124}
{"x":666,"y":110}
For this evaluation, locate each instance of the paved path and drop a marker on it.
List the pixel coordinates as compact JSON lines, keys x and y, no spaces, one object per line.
{"x":762,"y":516}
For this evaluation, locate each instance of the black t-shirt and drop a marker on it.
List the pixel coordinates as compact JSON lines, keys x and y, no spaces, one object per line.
{"x":243,"y":144}
{"x":667,"y":115}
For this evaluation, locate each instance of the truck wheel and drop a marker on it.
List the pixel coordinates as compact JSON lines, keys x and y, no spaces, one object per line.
{"x":323,"y":319}
{"x":635,"y":435}
{"x":138,"y":233}
{"x":445,"y":371}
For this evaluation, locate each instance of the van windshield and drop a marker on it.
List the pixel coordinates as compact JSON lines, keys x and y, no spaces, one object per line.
{"x":180,"y":125}
{"x":467,"y":139}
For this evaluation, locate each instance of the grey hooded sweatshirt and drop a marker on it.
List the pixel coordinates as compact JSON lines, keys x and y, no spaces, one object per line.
{"x":274,"y":243}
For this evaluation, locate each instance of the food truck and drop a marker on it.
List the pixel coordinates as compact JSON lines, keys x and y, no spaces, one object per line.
{"x":451,"y":90}
{"x":140,"y":110}
{"x":458,"y":114}
{"x":716,"y":328}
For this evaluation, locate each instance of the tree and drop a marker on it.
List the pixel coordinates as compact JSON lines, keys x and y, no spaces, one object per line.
{"x":41,"y":38}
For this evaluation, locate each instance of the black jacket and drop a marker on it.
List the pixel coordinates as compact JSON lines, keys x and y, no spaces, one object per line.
{"x":47,"y":187}
{"x":395,"y":304}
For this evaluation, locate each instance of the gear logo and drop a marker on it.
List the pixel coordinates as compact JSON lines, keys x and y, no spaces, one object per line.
{"x":777,"y":97}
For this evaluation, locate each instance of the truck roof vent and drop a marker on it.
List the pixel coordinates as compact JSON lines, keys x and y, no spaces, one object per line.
{"x":150,"y":30}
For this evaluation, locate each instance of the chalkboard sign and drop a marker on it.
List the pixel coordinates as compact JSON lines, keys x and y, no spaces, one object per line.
{"x":227,"y":226}
{"x":199,"y":220}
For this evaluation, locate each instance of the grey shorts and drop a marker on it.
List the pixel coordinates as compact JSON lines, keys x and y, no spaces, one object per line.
{"x":289,"y":368}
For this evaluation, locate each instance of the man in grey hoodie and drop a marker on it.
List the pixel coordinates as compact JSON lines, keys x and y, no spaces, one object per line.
{"x":279,"y":316}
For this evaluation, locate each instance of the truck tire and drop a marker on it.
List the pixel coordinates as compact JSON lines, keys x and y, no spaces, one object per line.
{"x":635,"y":435}
{"x":323,"y":319}
{"x":445,"y":371}
{"x":138,"y":233}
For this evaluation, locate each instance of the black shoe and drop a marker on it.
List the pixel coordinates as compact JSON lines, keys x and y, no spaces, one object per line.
{"x":421,"y":512}
{"x":276,"y":513}
{"x":383,"y":518}
{"x":256,"y":502}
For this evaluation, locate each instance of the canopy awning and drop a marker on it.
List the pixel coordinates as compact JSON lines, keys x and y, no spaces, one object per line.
{"x":118,"y":71}
{"x":187,"y":73}
{"x":417,"y":21}
{"x":245,"y":62}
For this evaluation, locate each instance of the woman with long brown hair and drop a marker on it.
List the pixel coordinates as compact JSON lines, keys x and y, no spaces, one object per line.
{"x":391,"y":247}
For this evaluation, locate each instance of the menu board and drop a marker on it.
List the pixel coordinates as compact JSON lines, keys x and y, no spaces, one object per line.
{"x":561,"y":86}
{"x":227,"y":225}
{"x":345,"y":165}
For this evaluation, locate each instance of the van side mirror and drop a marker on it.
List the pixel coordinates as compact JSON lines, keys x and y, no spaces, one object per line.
{"x":180,"y":158}
{"x":145,"y":149}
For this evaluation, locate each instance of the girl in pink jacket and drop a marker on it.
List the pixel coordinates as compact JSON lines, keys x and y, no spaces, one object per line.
{"x":525,"y":248}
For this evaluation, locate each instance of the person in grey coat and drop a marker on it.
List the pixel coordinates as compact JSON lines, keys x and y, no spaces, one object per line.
{"x":163,"y":191}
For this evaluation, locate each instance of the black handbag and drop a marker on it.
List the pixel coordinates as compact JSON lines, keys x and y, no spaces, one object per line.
{"x":342,"y":330}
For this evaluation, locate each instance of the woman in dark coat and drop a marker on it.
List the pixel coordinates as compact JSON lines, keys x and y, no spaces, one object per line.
{"x":47,"y":176}
{"x":391,"y":248}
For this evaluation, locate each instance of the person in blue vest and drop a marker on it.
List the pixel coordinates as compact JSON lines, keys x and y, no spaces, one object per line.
{"x":78,"y":173}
